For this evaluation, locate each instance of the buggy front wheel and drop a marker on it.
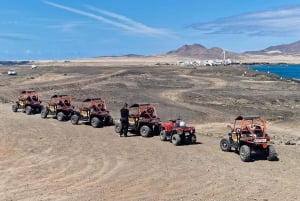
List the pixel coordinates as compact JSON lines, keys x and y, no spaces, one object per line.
{"x":109,"y":121}
{"x":245,"y":153}
{"x":44,"y":113}
{"x":272,"y":156}
{"x":61,"y":116}
{"x":145,"y":131}
{"x":95,"y":122}
{"x":176,"y":139}
{"x":163,"y":135}
{"x":15,"y":107}
{"x":28,"y":109}
{"x":157,"y":129}
{"x":118,"y":127}
{"x":74,"y":119}
{"x":225,"y":144}
{"x":193,"y":139}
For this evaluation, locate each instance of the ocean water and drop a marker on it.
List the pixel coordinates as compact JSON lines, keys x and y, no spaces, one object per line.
{"x":289,"y":71}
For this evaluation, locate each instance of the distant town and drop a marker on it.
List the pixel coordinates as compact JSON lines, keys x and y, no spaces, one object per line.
{"x":216,"y":62}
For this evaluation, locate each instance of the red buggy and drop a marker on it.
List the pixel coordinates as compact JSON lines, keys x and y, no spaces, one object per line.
{"x":143,"y":120}
{"x":29,"y":101}
{"x":60,"y":106}
{"x":178,"y":133}
{"x":93,"y":111}
{"x":248,"y":137}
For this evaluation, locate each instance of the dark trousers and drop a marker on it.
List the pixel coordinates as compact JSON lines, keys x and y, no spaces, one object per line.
{"x":124,"y":126}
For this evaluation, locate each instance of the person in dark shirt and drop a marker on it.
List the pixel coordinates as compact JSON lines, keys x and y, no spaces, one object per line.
{"x":124,"y":120}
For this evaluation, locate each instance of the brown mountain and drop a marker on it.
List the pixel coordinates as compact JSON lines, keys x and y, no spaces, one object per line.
{"x":291,"y":49}
{"x":200,"y":52}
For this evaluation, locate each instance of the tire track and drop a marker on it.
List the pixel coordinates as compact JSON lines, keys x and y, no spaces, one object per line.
{"x":175,"y":95}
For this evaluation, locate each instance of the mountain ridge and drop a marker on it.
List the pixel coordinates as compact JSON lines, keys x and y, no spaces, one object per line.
{"x":201,"y":52}
{"x":290,"y":49}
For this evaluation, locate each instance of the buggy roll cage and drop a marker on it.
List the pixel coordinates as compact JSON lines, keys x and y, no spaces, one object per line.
{"x":29,"y":95}
{"x":97,"y":103}
{"x":250,"y":124}
{"x":145,"y":110}
{"x":61,"y":100}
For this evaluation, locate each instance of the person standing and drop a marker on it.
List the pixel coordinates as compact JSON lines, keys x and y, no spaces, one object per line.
{"x":124,"y":120}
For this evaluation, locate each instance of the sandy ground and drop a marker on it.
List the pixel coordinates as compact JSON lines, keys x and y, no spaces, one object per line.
{"x":43,"y":159}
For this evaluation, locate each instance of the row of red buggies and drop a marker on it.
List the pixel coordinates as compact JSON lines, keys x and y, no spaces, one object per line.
{"x":143,"y":119}
{"x":247,"y":137}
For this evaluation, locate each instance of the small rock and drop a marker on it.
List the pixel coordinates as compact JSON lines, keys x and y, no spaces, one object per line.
{"x":289,"y":142}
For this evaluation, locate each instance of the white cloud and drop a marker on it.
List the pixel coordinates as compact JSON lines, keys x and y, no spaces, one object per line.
{"x":139,"y":27}
{"x":116,"y":20}
{"x":66,"y":27}
{"x":271,"y":22}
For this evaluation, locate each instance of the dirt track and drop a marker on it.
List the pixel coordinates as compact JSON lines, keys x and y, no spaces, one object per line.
{"x":43,"y":159}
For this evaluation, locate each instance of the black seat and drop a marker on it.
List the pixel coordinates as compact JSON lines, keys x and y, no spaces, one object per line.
{"x":258,"y":131}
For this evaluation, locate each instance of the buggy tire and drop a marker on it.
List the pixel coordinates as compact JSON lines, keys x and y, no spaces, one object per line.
{"x":272,"y":155}
{"x":157,"y":130}
{"x":60,"y":116}
{"x":38,"y":110}
{"x":15,"y":107}
{"x":163,"y":135}
{"x":95,"y":122}
{"x":109,"y":121}
{"x":145,"y":131}
{"x":176,"y":139}
{"x":74,"y":119}
{"x":28,"y":109}
{"x":225,"y":144}
{"x":118,"y":127}
{"x":193,"y":139}
{"x":44,"y":113}
{"x":245,"y":153}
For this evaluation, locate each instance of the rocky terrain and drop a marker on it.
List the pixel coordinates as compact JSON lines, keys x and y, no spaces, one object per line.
{"x":44,"y":159}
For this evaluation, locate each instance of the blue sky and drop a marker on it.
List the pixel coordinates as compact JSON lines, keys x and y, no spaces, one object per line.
{"x":66,"y":29}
